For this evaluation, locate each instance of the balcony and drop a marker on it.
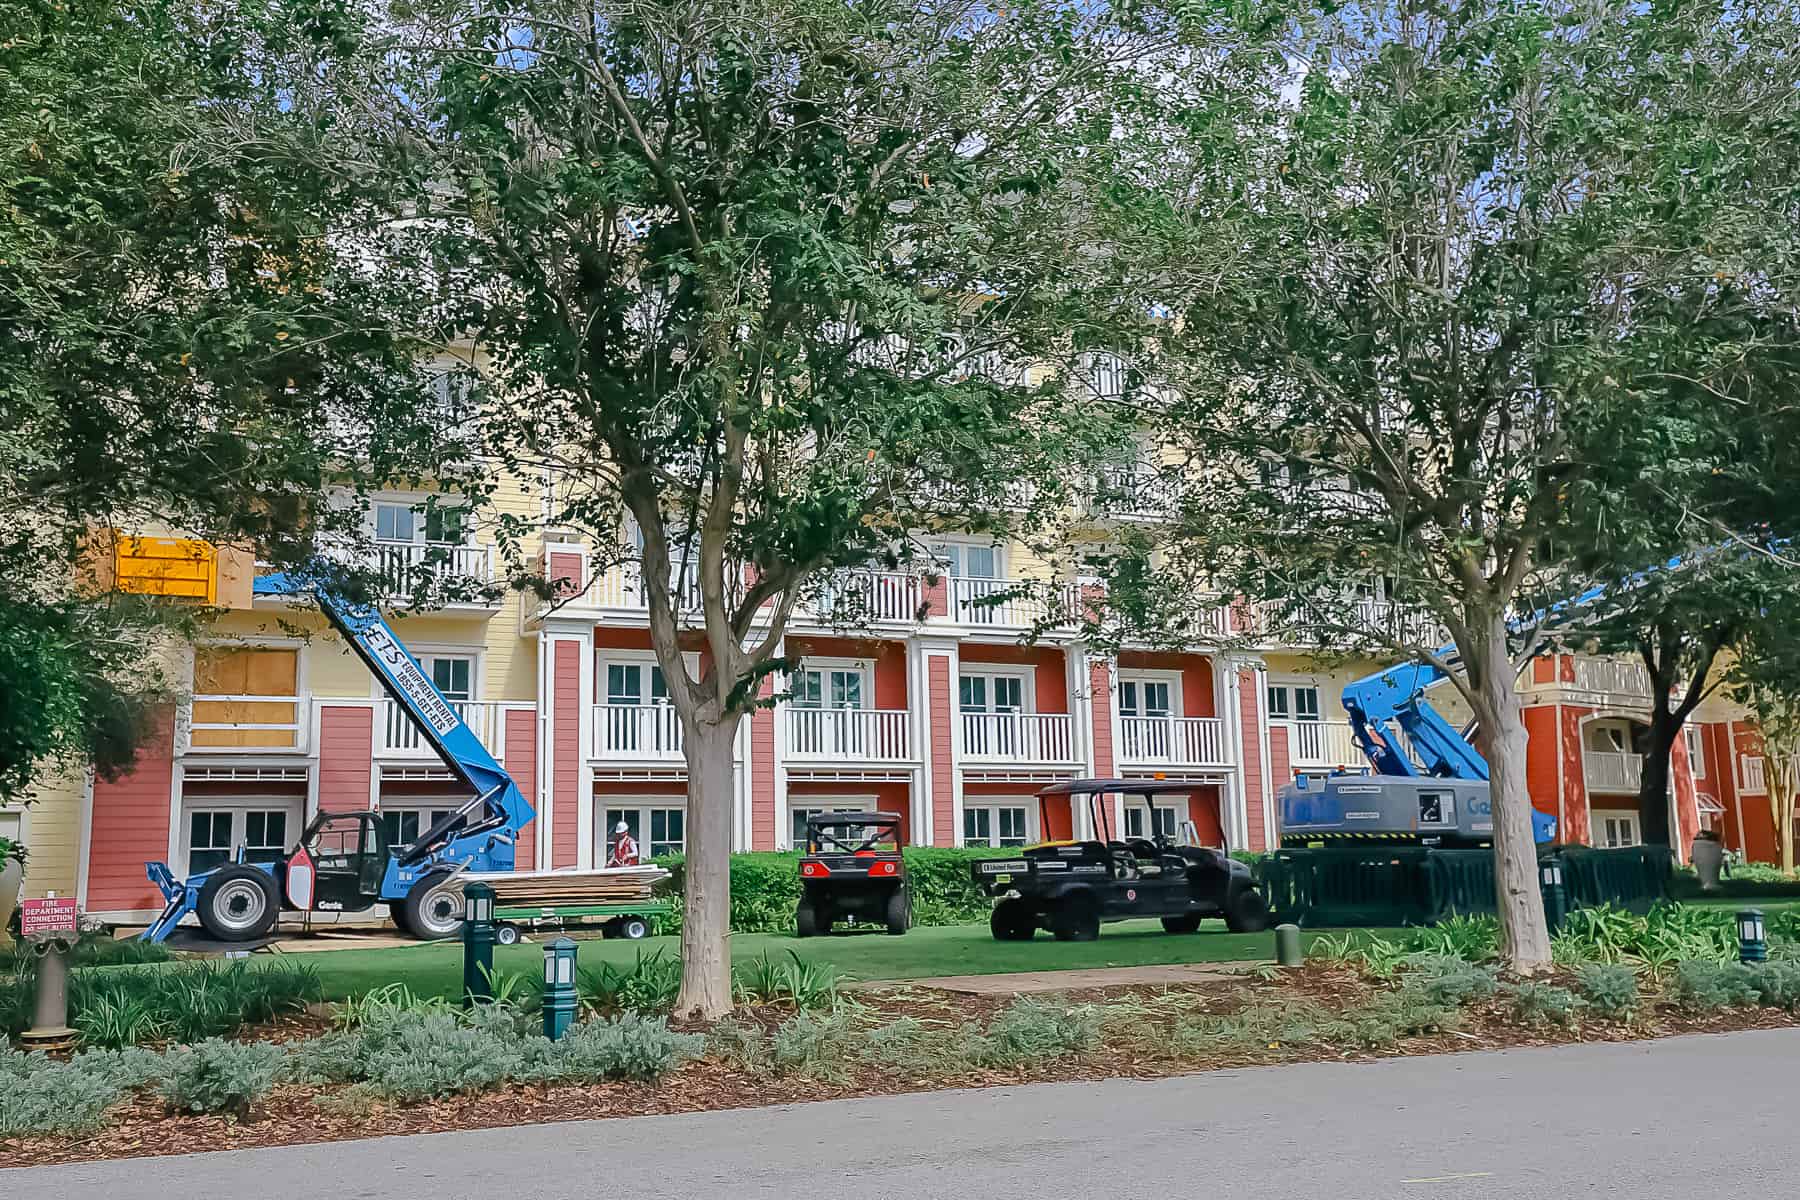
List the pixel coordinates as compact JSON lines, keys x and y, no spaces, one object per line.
{"x":1354,"y":620}
{"x":1321,"y":744}
{"x":1134,"y":492}
{"x":1612,"y":771}
{"x":623,"y":587}
{"x":860,"y":597}
{"x":399,"y":738}
{"x":1612,"y":677}
{"x":1018,"y":737}
{"x":638,"y":733}
{"x":1006,"y":604}
{"x":246,"y":724}
{"x":1172,"y":742}
{"x":399,"y":562}
{"x":1753,"y":774}
{"x":848,"y":734}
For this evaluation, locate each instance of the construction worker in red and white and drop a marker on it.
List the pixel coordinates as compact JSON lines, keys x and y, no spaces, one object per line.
{"x":624,"y":847}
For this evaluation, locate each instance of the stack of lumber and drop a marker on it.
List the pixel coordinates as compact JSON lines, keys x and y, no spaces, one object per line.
{"x":551,"y":889}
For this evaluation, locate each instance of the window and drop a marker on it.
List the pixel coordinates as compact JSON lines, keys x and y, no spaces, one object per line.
{"x":1002,"y":825}
{"x":1616,"y":830}
{"x":625,"y":684}
{"x":396,"y":523}
{"x":1145,"y":698}
{"x":667,"y":826}
{"x":1293,"y":702}
{"x":404,"y":825}
{"x":988,"y":693}
{"x":828,"y":687}
{"x":1437,"y":808}
{"x":797,"y":819}
{"x":967,"y":560}
{"x":1696,"y":748}
{"x":1141,"y":819}
{"x":215,"y":834}
{"x":441,"y":525}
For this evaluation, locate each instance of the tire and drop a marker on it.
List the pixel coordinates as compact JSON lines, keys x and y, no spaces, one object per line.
{"x":1076,"y":919}
{"x":238,"y":904}
{"x":1012,"y":921}
{"x":397,"y":914}
{"x":806,"y":920}
{"x":633,"y":928}
{"x":1182,"y":924}
{"x":433,"y":908}
{"x":1246,"y":911}
{"x":899,"y":912}
{"x":506,"y":935}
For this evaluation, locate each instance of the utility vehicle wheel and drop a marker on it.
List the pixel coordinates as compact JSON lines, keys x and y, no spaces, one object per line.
{"x":434,"y":907}
{"x":238,"y":904}
{"x":633,"y":928}
{"x":1012,"y":921}
{"x":1247,"y":912}
{"x":506,"y":935}
{"x":1076,"y":920}
{"x":397,"y":914}
{"x":806,"y":920}
{"x":899,"y":911}
{"x":1184,"y":924}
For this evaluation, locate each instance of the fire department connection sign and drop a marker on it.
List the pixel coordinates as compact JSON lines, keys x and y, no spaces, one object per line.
{"x":46,"y":918}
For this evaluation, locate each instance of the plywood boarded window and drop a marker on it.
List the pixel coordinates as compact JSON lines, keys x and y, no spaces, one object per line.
{"x":227,"y":712}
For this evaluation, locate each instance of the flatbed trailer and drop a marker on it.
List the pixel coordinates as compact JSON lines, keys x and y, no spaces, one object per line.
{"x":630,"y":919}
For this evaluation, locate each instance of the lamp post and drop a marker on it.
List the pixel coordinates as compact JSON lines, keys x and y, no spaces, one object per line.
{"x":1753,"y":947}
{"x":559,"y":987}
{"x":1556,"y":902}
{"x":478,"y":944}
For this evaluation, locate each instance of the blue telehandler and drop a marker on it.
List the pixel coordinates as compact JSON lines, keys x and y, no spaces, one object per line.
{"x":343,"y":861}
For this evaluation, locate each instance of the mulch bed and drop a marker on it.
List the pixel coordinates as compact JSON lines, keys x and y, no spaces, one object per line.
{"x":294,"y":1114}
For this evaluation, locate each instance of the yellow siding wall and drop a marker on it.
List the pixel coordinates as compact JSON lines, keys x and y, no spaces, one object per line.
{"x":53,"y":835}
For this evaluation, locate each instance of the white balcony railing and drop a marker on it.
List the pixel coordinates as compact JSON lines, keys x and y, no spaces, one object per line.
{"x":1321,"y":744}
{"x":1019,"y":737}
{"x":851,"y":734}
{"x":858,"y":596}
{"x":1612,"y":771}
{"x":1134,"y":490}
{"x":623,"y":587}
{"x":222,"y":724}
{"x":1172,"y":741}
{"x":637,"y":732}
{"x":400,"y":737}
{"x":399,"y":561}
{"x":1753,"y":774}
{"x":1001,"y":603}
{"x":1612,"y":676}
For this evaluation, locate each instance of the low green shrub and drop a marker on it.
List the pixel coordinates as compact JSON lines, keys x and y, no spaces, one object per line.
{"x":765,"y":889}
{"x":1255,"y":1028}
{"x":1390,"y":1017}
{"x":1448,"y":981}
{"x":426,"y":1056}
{"x":743,"y":1044}
{"x":185,"y":1003}
{"x":1472,"y":939}
{"x":41,"y":1095}
{"x":1536,"y":1003}
{"x":630,"y":1046}
{"x":384,"y":1002}
{"x":649,"y":984}
{"x":895,"y":1043}
{"x":92,"y":950}
{"x":1030,"y":1029}
{"x":216,"y":1076}
{"x":794,"y":982}
{"x":818,"y":1045}
{"x":1610,"y":989}
{"x":1703,"y":985}
{"x":1777,"y":983}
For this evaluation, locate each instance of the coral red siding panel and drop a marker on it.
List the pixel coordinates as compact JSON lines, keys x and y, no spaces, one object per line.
{"x":1256,"y":832}
{"x":346,"y":756}
{"x":943,"y":772}
{"x":521,"y":764}
{"x":565,"y":739}
{"x":131,"y":826}
{"x":1100,"y":688}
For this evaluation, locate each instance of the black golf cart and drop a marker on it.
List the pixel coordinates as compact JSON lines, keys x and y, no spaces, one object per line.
{"x":852,"y":870}
{"x":1071,"y":887}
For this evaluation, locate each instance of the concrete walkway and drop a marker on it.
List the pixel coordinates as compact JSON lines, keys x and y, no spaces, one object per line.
{"x":1665,"y":1120}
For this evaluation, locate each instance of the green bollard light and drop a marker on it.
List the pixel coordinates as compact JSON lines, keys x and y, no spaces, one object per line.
{"x":559,"y":988}
{"x":1556,"y":899}
{"x":1753,"y":945}
{"x":478,"y":945}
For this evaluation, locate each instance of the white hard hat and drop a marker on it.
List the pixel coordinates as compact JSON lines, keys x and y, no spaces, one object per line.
{"x":621,"y":828}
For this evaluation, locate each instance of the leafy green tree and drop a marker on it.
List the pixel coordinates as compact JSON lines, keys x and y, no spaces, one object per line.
{"x":1765,"y":678}
{"x":1462,"y":238}
{"x":192,"y":338}
{"x":755,"y":285}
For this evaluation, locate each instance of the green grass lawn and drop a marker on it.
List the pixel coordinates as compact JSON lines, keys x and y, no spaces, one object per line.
{"x":949,"y":950}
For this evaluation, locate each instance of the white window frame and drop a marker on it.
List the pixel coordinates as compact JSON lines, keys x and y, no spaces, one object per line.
{"x":962,"y":544}
{"x":238,"y":807}
{"x":1177,"y":811}
{"x":1696,"y":748}
{"x":825,"y":666}
{"x":609,"y":656}
{"x":1027,"y":685}
{"x":643,"y":806}
{"x":992,"y":805}
{"x":20,"y":814}
{"x":1140,"y":677}
{"x":1291,"y":687}
{"x":427,"y":652}
{"x":417,"y":501}
{"x":1600,"y":818}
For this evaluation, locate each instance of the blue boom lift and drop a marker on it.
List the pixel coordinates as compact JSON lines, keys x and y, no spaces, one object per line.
{"x":343,"y":862}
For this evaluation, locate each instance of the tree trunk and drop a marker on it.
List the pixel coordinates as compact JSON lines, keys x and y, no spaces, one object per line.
{"x":706,"y":928}
{"x":1659,"y":776}
{"x":1783,"y":781}
{"x":1524,"y":936}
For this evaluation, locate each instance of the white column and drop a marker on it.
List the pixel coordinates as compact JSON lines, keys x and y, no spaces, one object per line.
{"x":1233,"y":814}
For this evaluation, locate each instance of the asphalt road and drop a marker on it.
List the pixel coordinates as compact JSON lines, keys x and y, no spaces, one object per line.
{"x":1676,"y":1118}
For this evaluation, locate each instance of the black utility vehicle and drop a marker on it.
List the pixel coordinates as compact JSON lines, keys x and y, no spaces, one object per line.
{"x":852,"y":871}
{"x":1070,"y":887}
